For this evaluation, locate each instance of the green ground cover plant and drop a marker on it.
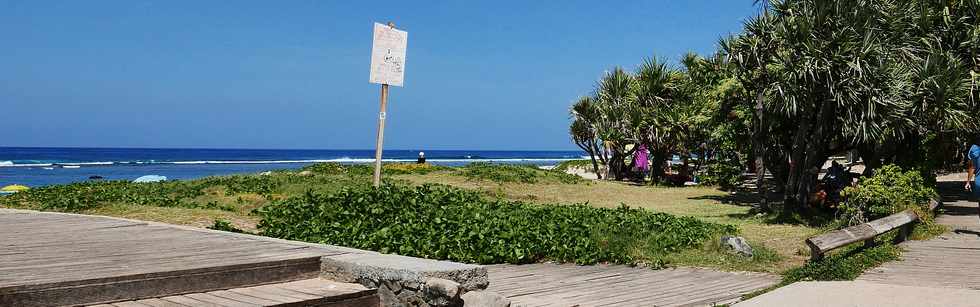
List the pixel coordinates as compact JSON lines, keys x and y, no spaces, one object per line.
{"x":331,"y":168}
{"x":725,"y":173}
{"x":889,"y":191}
{"x":442,"y":222}
{"x":200,"y":193}
{"x":225,"y":225}
{"x":570,"y":164}
{"x":514,"y":173}
{"x":847,"y":264}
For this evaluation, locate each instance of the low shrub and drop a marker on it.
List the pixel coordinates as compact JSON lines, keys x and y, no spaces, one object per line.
{"x":368,"y":169}
{"x":81,"y":196}
{"x":890,"y":190}
{"x":725,"y":173}
{"x":846,"y":265}
{"x":224,"y":225}
{"x":86,"y":195}
{"x":326,"y":168}
{"x":513,"y":173}
{"x":411,"y":168}
{"x":441,"y":222}
{"x":573,"y":164}
{"x":841,"y":266}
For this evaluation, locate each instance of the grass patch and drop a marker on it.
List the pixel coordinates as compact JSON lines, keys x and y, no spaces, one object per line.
{"x":573,"y":164}
{"x":844,"y":265}
{"x":502,"y":173}
{"x":441,"y":222}
{"x":368,"y":169}
{"x":712,"y":254}
{"x":225,"y":225}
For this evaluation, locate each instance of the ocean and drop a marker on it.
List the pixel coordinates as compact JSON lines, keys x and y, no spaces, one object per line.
{"x":40,"y":166}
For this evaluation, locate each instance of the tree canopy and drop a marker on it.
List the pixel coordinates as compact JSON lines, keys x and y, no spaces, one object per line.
{"x":894,"y":81}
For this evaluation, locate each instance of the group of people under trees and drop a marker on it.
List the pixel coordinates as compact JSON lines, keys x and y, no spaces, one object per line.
{"x":896,"y":82}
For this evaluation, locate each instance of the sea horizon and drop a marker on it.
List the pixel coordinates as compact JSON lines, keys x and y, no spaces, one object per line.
{"x":41,"y":166}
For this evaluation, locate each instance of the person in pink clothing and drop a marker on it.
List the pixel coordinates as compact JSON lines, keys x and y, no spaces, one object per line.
{"x":642,"y":162}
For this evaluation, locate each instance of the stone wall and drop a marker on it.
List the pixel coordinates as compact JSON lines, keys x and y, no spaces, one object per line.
{"x":408,"y":281}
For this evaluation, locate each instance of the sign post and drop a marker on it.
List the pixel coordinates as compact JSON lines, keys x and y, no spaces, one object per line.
{"x":387,"y":68}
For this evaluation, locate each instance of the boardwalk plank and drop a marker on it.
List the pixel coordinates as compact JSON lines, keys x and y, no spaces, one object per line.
{"x":66,"y":259}
{"x":946,"y":261}
{"x":562,"y":285}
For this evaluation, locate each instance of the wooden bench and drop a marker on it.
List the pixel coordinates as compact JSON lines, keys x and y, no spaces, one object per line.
{"x":867,"y":232}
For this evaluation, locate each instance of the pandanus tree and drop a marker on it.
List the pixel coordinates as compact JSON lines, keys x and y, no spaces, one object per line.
{"x":604,"y":124}
{"x":584,"y":132}
{"x":665,"y":121}
{"x":627,"y":110}
{"x":748,"y":55}
{"x":833,"y":75}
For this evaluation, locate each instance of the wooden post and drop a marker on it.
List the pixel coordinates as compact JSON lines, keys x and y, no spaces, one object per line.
{"x":381,"y":135}
{"x":381,"y":130}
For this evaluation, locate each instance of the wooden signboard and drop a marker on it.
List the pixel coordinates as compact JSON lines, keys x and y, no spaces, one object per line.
{"x":388,"y":55}
{"x":387,"y":68}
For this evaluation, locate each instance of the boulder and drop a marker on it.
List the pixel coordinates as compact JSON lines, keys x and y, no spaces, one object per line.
{"x":441,"y":292}
{"x":484,"y":299}
{"x":305,"y":173}
{"x":737,"y":245}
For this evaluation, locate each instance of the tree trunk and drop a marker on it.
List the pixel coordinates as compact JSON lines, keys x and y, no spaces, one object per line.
{"x":815,"y":155}
{"x":759,"y":146}
{"x":797,"y":154}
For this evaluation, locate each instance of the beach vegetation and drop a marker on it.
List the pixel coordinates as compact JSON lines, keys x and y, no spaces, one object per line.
{"x":330,"y":168}
{"x":200,"y":202}
{"x":443,"y":222}
{"x":501,"y":173}
{"x":890,"y":190}
{"x":566,"y":166}
{"x":897,"y":88}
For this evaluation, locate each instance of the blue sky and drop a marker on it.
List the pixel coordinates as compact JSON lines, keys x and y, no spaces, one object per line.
{"x":294,"y":74}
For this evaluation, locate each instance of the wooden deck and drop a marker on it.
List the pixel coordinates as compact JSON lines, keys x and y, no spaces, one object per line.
{"x":309,"y":293}
{"x":66,"y":259}
{"x":952,"y":260}
{"x":616,"y":285}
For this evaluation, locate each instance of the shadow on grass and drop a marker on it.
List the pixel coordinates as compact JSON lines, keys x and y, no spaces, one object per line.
{"x":775,"y":214}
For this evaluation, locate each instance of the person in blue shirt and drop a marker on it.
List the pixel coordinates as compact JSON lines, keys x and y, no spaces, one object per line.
{"x":972,"y":182}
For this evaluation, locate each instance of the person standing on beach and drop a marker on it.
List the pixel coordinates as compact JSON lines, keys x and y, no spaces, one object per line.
{"x":972,"y":182}
{"x":421,"y":159}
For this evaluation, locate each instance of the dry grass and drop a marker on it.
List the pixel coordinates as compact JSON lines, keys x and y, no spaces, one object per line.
{"x":172,"y":215}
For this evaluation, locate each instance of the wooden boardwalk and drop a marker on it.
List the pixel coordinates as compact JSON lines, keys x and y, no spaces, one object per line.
{"x":615,"y":285}
{"x":952,"y":260}
{"x":66,"y":259}
{"x":308,"y":293}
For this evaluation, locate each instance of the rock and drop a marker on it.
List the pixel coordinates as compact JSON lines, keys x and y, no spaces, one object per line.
{"x":737,"y":245}
{"x":484,"y":299}
{"x":393,"y":285}
{"x":305,"y":173}
{"x":388,"y":298}
{"x":411,"y":285}
{"x":266,"y":173}
{"x":409,"y":298}
{"x":441,"y":292}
